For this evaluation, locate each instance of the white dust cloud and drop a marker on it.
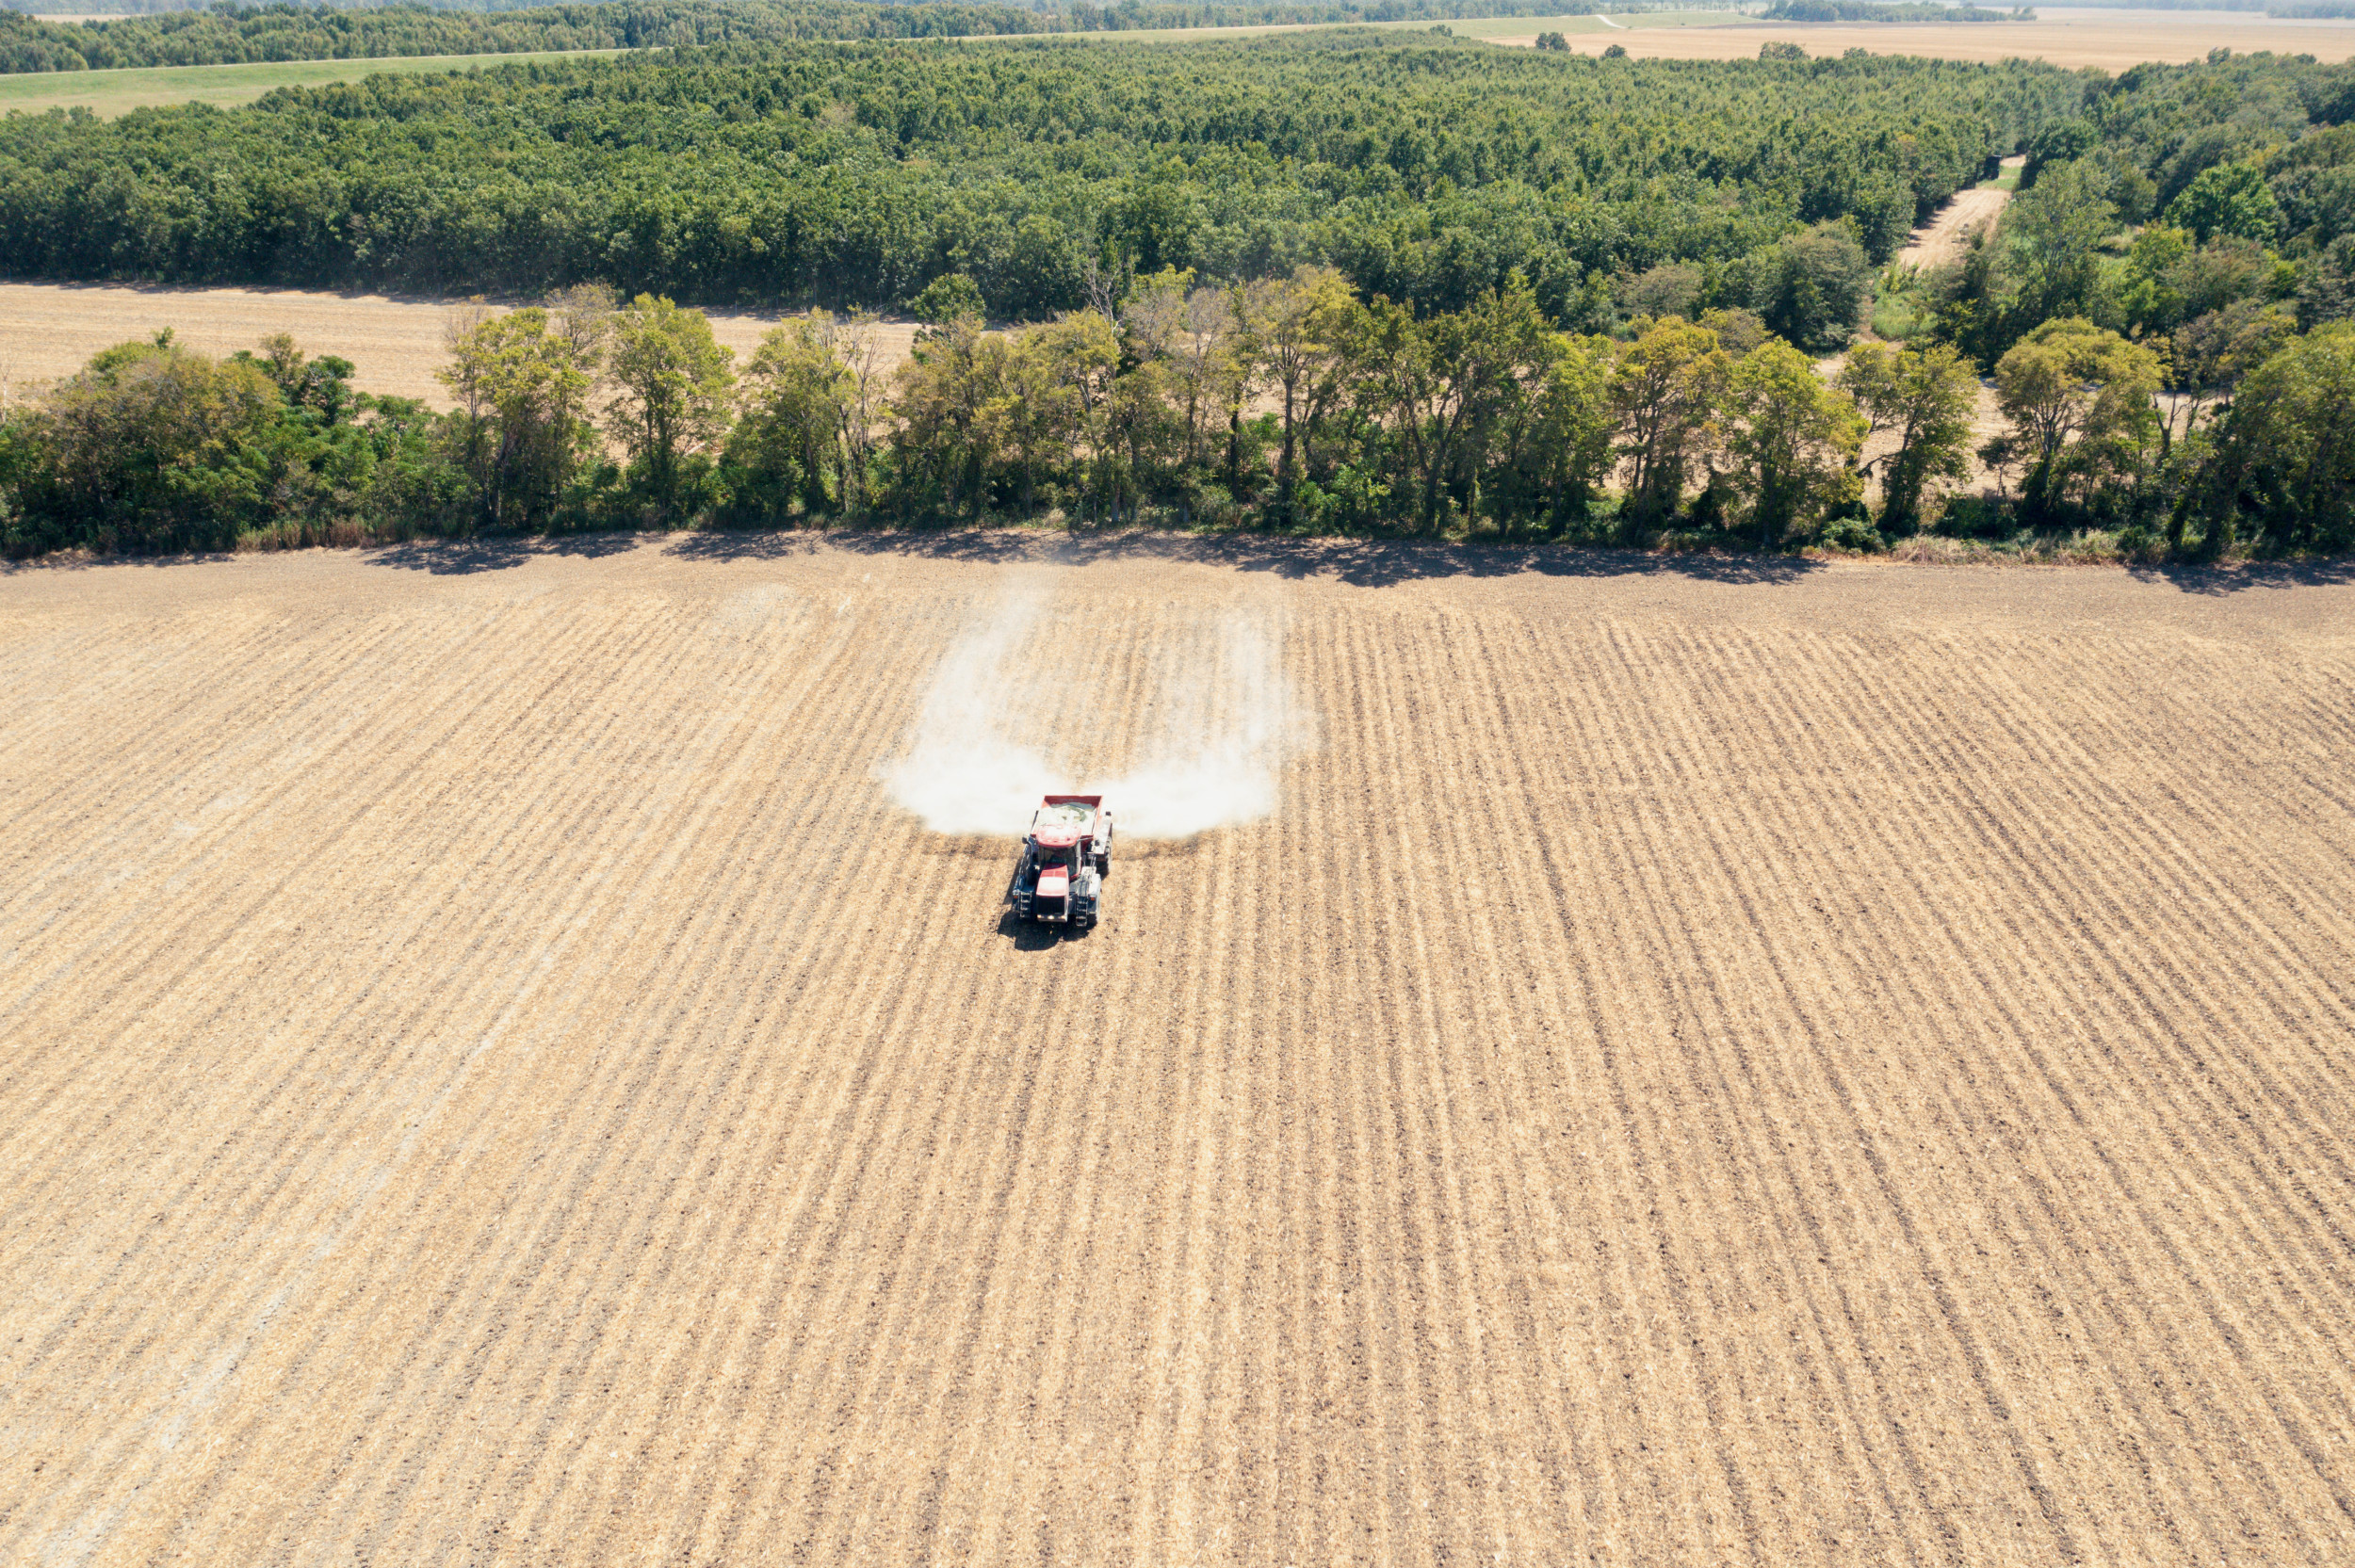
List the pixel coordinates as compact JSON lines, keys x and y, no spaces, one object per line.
{"x":1011,"y":716}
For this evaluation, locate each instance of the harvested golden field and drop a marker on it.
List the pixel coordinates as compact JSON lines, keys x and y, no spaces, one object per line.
{"x":2113,"y":40}
{"x":1645,"y":1062}
{"x":50,"y":331}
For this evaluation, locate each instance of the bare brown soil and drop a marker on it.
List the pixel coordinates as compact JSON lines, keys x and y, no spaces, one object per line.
{"x":49,"y":330}
{"x":1707,"y":1064}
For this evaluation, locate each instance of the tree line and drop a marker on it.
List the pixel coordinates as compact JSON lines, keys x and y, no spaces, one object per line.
{"x":1289,"y":403}
{"x":230,"y":34}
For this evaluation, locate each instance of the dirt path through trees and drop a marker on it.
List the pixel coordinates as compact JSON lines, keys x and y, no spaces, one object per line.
{"x":1941,"y":239}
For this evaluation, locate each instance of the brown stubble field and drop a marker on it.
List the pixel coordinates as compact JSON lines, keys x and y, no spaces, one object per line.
{"x":2066,"y":35}
{"x":394,"y":344}
{"x":1703,"y":1065}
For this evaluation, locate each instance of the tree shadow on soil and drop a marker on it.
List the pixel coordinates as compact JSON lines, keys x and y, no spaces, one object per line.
{"x":1359,"y":562}
{"x":2216,"y":582}
{"x":459,"y":556}
{"x":753,"y":543}
{"x":85,"y":560}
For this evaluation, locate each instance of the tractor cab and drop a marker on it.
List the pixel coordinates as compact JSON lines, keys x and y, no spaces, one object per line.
{"x":1063,"y":862}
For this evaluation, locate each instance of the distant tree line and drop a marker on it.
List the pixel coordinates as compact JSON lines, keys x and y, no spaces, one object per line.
{"x":230,"y":34}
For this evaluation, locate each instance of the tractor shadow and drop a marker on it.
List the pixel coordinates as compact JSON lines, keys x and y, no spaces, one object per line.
{"x":1029,"y":936}
{"x":1032,"y":936}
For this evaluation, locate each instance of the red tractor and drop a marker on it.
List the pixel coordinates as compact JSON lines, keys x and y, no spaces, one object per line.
{"x":1064,"y":861}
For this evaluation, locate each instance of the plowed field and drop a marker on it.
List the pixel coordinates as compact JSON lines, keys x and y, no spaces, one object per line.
{"x":1700,"y":1065}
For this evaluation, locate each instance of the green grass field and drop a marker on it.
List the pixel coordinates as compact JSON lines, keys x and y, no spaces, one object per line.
{"x":112,"y":92}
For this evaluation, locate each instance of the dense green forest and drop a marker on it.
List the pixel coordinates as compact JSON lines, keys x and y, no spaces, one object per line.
{"x":854,"y":174}
{"x":233,"y":35}
{"x":237,"y":35}
{"x":1328,"y":283}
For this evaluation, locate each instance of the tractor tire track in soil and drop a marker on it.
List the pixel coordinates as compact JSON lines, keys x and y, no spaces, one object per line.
{"x":1701,"y":1067}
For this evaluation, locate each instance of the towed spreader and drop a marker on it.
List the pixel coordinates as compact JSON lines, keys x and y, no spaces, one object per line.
{"x":1065,"y":861}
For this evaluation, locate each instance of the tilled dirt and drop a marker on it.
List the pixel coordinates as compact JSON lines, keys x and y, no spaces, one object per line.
{"x":1708,"y":1063}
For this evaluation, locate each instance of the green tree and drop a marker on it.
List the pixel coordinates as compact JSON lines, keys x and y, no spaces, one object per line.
{"x":2150,"y":292}
{"x":1031,"y":417}
{"x":321,"y":385}
{"x":1446,"y":382}
{"x":674,"y":401}
{"x":2227,"y":198}
{"x":947,"y":298}
{"x":793,"y":444}
{"x":1081,"y":355}
{"x":2053,"y":235}
{"x":2079,"y":399}
{"x":1924,"y":398}
{"x":2325,"y":290}
{"x":1814,"y":287}
{"x":1550,"y":448}
{"x":2207,"y":357}
{"x":152,"y":448}
{"x":1294,"y":326}
{"x":1144,"y":429}
{"x":1671,"y":288}
{"x":1196,"y":335}
{"x":1665,"y":394}
{"x":2285,"y":459}
{"x":1967,"y":298}
{"x":942,"y":449}
{"x":1792,"y":440}
{"x":522,"y":381}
